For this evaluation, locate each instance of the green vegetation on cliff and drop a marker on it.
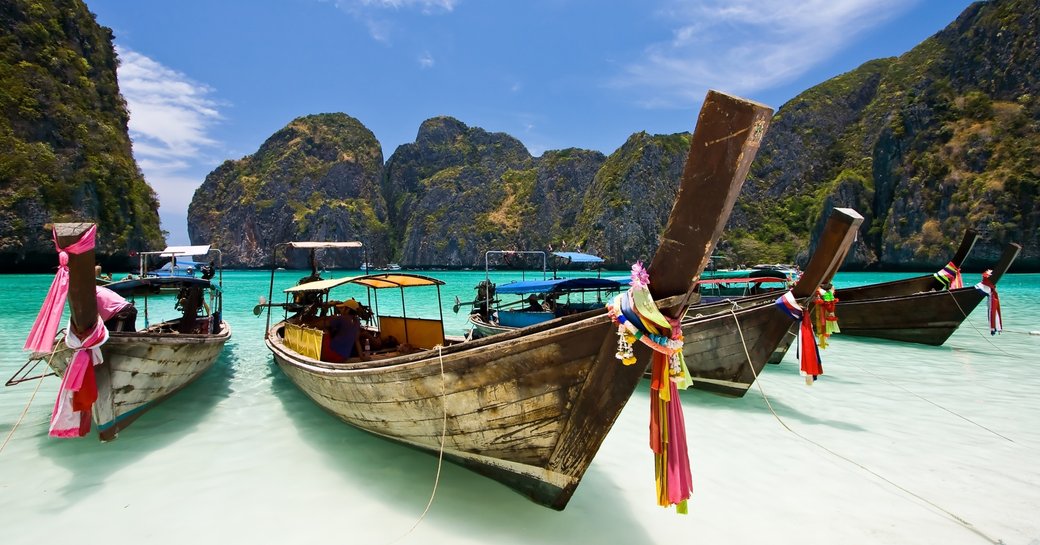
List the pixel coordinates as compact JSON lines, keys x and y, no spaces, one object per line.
{"x":63,"y":131}
{"x":925,"y":145}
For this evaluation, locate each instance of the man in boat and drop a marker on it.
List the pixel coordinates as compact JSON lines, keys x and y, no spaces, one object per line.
{"x":100,"y":275}
{"x":117,"y":313}
{"x":343,"y":334}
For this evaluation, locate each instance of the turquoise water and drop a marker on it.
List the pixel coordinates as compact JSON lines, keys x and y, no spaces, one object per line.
{"x":920,"y":442}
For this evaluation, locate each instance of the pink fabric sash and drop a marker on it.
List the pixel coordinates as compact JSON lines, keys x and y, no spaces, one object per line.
{"x":41,"y":336}
{"x":78,"y":392}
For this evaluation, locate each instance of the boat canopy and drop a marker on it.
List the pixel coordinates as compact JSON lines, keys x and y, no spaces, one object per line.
{"x":564,"y":285}
{"x":374,"y":281}
{"x":126,"y":287}
{"x":313,"y":245}
{"x":182,"y":264}
{"x":185,"y":250}
{"x":578,"y":257}
{"x":738,"y":280}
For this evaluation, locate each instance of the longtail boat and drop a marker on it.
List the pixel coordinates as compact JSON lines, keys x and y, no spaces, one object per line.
{"x":728,"y":343}
{"x":139,"y":368}
{"x":530,"y":408}
{"x":918,"y":310}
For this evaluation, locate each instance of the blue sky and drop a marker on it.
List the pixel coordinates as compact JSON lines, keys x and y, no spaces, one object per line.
{"x":210,"y":80}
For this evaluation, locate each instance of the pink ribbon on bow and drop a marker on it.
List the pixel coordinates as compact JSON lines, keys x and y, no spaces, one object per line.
{"x":41,"y":336}
{"x":78,"y":392}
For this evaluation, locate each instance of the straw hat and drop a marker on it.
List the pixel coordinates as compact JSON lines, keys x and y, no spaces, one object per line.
{"x":349,"y":303}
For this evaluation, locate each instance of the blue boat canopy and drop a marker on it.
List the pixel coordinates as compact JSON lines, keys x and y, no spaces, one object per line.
{"x":182,"y":264}
{"x":578,"y":257}
{"x":561,"y":285}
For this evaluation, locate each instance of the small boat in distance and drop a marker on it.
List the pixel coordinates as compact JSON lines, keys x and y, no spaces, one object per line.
{"x":179,"y":265}
{"x":531,"y":407}
{"x":537,"y":301}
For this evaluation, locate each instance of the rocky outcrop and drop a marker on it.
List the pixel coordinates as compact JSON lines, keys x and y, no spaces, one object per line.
{"x":64,"y":145}
{"x":925,"y":145}
{"x":316,"y":179}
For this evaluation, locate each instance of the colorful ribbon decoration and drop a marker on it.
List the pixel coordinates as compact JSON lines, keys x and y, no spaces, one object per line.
{"x":638,"y":319}
{"x":78,"y":391}
{"x":950,"y":277}
{"x":808,"y":352}
{"x":825,"y":313}
{"x":989,"y":288}
{"x":41,"y":336}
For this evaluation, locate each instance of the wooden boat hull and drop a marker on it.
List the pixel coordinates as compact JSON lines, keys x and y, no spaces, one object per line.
{"x":481,"y":328}
{"x":925,"y":318}
{"x":718,"y":347}
{"x":727,"y":343}
{"x":141,"y":369}
{"x":528,"y":409}
{"x":911,"y":310}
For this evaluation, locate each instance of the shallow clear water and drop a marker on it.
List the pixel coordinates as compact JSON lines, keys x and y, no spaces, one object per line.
{"x":895,"y":444}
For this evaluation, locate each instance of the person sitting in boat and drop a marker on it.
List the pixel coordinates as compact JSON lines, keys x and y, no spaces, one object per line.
{"x":533,"y":304}
{"x":208,"y":271}
{"x":99,"y":275}
{"x":117,"y":313}
{"x":343,"y":334}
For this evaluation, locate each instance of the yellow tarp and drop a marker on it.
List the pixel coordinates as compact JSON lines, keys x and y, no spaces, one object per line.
{"x":305,"y":341}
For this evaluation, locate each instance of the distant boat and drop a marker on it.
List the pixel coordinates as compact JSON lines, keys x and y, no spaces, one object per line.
{"x":537,"y":300}
{"x":178,"y":265}
{"x":529,"y":408}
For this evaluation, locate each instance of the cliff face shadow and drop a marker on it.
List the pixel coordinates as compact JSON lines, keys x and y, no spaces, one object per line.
{"x":92,"y":462}
{"x":402,"y":478}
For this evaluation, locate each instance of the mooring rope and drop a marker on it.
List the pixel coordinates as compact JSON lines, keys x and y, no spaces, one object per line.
{"x":440,"y":451}
{"x":980,"y":332}
{"x":39,"y":382}
{"x":911,"y":392}
{"x":765,"y":398}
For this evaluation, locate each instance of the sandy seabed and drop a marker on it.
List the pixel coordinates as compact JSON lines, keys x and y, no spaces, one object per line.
{"x":895,"y":444}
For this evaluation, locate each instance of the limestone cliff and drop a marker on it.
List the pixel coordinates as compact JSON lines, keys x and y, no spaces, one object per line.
{"x":316,"y":179}
{"x":64,"y":146}
{"x":925,"y":145}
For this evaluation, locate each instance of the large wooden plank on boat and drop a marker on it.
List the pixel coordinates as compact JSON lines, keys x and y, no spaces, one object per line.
{"x":727,"y":136}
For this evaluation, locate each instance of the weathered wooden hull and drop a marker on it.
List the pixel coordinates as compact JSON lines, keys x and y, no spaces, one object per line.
{"x":529,"y":409}
{"x":727,"y":349}
{"x":481,"y":329}
{"x":141,"y":369}
{"x":925,"y":318}
{"x":908,"y":310}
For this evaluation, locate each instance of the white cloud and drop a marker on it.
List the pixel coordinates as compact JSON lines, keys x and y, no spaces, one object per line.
{"x":170,"y":119}
{"x":372,"y":12}
{"x":426,"y":60}
{"x":745,"y":46}
{"x":426,"y":6}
